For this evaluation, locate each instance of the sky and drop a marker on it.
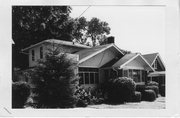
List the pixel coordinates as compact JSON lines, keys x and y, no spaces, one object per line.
{"x":135,"y":28}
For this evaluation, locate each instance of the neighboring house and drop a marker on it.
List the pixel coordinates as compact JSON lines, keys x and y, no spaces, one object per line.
{"x":96,"y":64}
{"x":157,"y":63}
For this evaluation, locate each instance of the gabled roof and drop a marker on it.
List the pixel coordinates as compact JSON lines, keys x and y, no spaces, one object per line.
{"x":90,"y":52}
{"x":125,"y":60}
{"x":56,"y":41}
{"x":150,"y":57}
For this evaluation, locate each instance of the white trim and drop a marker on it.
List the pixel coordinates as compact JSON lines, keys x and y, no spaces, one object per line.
{"x":134,"y":58}
{"x":147,"y":63}
{"x":158,"y":55}
{"x":31,"y":46}
{"x":154,"y":59}
{"x":128,"y":61}
{"x":49,"y":41}
{"x":162,"y":61}
{"x":86,"y":58}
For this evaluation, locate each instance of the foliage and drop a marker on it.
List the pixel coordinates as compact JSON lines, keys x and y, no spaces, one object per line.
{"x":55,"y":81}
{"x":20,"y":93}
{"x":152,"y":83}
{"x":120,"y":90}
{"x":155,"y":88}
{"x":136,"y":97}
{"x":88,"y":96}
{"x":96,"y":28}
{"x":148,"y":95}
{"x":83,"y":98}
{"x":162,"y":90}
{"x":32,"y":24}
{"x":140,"y":87}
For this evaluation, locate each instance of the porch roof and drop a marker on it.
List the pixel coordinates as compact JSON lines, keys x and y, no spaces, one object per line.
{"x":121,"y":63}
{"x":86,"y":54}
{"x":156,"y":73}
{"x":150,"y":57}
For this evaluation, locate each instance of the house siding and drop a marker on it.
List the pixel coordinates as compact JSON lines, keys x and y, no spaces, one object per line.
{"x":99,"y":60}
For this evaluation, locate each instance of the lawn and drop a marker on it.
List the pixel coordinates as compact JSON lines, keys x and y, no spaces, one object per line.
{"x":159,"y":103}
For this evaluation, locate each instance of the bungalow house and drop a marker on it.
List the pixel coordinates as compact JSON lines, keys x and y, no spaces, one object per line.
{"x":97,"y":64}
{"x":157,"y":63}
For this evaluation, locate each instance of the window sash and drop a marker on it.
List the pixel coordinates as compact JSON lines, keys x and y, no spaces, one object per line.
{"x":88,"y":76}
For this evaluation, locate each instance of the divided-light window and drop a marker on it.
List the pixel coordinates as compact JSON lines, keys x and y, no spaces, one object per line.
{"x":88,"y":76}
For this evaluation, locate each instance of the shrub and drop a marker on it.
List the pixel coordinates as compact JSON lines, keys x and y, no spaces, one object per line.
{"x":120,"y":90}
{"x":140,"y":87}
{"x":152,"y":83}
{"x":136,"y":97}
{"x":82,"y":97}
{"x":162,"y":90}
{"x":55,"y":81}
{"x":148,"y":95}
{"x":20,"y":93}
{"x":86,"y":97}
{"x":155,"y":88}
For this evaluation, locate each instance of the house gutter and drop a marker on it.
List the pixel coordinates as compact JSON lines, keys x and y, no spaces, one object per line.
{"x":115,"y":70}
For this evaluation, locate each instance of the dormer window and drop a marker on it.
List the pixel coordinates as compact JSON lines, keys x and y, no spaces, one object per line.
{"x":41,"y":52}
{"x":32,"y":53}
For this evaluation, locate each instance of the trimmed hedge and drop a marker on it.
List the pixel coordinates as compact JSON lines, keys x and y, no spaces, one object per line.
{"x":155,"y":88}
{"x":120,"y":90}
{"x":140,"y":87}
{"x":152,"y":83}
{"x":136,"y":97}
{"x":149,"y":95}
{"x":20,"y":93}
{"x":162,"y":90}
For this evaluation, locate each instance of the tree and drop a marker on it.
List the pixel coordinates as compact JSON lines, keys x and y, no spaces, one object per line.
{"x":55,"y":81}
{"x":80,"y":30}
{"x":97,"y":28}
{"x":94,"y":29}
{"x":32,"y":24}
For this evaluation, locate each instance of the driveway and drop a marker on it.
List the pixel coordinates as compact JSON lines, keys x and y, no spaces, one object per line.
{"x":159,"y":103}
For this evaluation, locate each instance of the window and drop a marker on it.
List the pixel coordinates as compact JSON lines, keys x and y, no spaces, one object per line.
{"x":125,"y":73}
{"x":32,"y":53}
{"x":41,"y":52}
{"x":88,"y":76}
{"x":155,"y":64}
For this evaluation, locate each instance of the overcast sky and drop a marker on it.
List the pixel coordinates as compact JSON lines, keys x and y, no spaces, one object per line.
{"x":136,"y":28}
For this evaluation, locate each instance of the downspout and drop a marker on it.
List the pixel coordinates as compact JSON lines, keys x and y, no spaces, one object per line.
{"x":115,"y":70}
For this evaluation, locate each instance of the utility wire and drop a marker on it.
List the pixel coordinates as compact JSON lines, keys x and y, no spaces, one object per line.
{"x":84,"y":11}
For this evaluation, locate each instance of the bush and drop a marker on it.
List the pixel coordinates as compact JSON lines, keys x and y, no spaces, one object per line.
{"x":152,"y":83}
{"x":55,"y":81}
{"x":20,"y":93}
{"x":120,"y":90}
{"x":148,"y":95}
{"x":86,"y":97}
{"x":136,"y":97}
{"x":140,"y":87}
{"x":155,"y":88}
{"x":83,"y":98}
{"x":162,"y":90}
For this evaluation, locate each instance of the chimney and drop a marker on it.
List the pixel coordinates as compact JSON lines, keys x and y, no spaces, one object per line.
{"x":110,"y":39}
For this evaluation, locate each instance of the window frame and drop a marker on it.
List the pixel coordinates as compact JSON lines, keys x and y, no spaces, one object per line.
{"x":32,"y":55}
{"x":83,"y":71}
{"x":41,"y":52}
